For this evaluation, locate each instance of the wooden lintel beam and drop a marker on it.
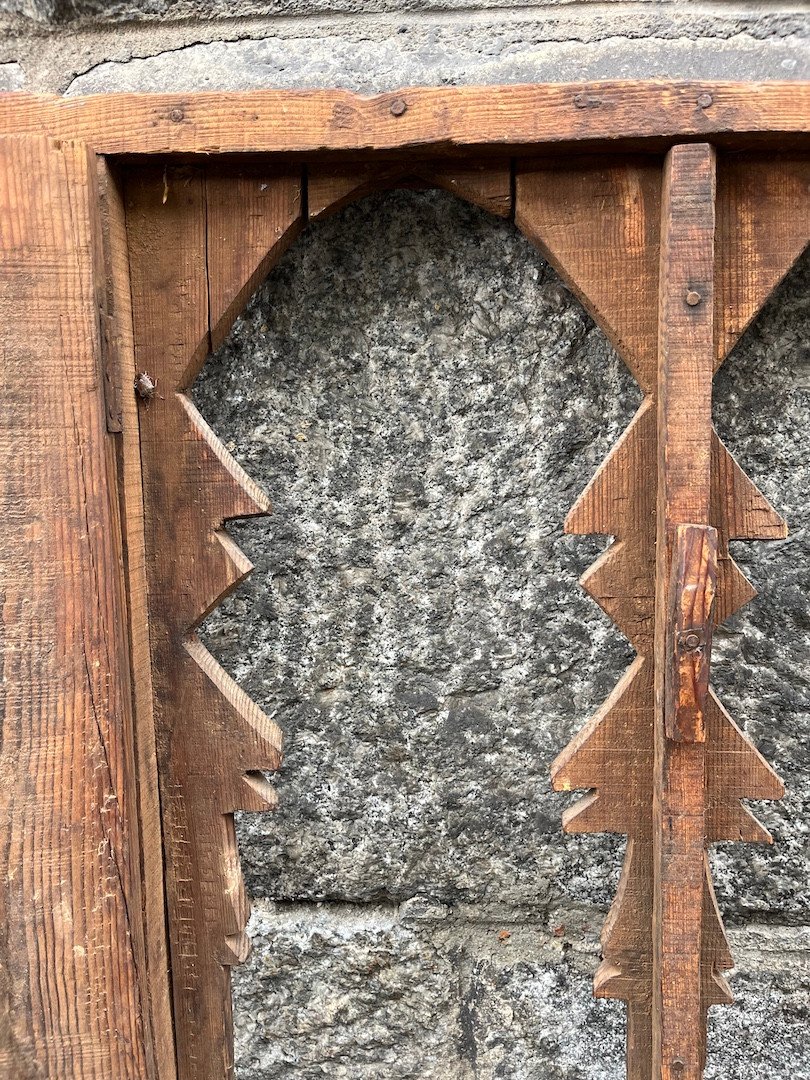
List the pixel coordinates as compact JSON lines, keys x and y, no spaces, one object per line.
{"x":685,"y":363}
{"x":417,"y":119}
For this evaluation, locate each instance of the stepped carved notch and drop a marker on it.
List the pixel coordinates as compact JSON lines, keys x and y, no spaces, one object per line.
{"x":200,"y":242}
{"x":672,"y":288}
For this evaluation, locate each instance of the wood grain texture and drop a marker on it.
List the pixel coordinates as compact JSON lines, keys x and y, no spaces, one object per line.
{"x":598,"y":223}
{"x":154,"y":965}
{"x":510,"y":118}
{"x":212,"y":741}
{"x":486,"y":184}
{"x":763,"y":226}
{"x":71,"y":1000}
{"x":685,"y":365}
{"x":692,"y":589}
{"x":601,"y":230}
{"x":242,"y":246}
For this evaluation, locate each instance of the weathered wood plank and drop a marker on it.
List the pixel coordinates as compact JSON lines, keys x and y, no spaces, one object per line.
{"x":211,"y":739}
{"x":154,"y":966}
{"x":685,"y":365}
{"x":512,"y":118}
{"x":763,"y":226}
{"x":71,"y":1002}
{"x":598,"y":223}
{"x":242,"y":247}
{"x":486,"y":184}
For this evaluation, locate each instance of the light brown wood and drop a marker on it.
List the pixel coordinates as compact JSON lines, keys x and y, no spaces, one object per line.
{"x":211,"y":739}
{"x":692,"y":589}
{"x":508,"y":118}
{"x":580,"y":216}
{"x":332,"y":187}
{"x":71,"y":1000}
{"x":154,"y":965}
{"x":763,"y":225}
{"x":685,"y":364}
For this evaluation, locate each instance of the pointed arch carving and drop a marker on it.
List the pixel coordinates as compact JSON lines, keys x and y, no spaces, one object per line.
{"x":671,"y":209}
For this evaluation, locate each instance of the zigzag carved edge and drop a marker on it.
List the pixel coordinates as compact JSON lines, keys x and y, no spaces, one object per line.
{"x":200,"y":241}
{"x":598,"y":224}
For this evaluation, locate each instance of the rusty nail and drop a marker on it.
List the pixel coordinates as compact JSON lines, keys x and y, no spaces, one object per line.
{"x":705,"y":100}
{"x":691,"y":641}
{"x":693,"y":298}
{"x":398,"y":107}
{"x":677,"y":1065}
{"x":176,"y":116}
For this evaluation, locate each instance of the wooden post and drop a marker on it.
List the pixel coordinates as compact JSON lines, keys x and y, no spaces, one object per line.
{"x":72,"y":953}
{"x":685,"y":367}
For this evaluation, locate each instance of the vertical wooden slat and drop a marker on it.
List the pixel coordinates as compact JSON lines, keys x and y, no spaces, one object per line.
{"x":685,"y":367}
{"x":71,"y":1002}
{"x":151,"y":893}
{"x":195,"y":251}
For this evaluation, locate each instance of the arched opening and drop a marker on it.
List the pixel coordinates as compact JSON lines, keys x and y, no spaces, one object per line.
{"x":422,"y":399}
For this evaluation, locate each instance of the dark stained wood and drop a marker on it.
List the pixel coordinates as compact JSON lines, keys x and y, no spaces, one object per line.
{"x":332,"y":187}
{"x":685,"y":363}
{"x":150,"y":898}
{"x":212,"y":741}
{"x":71,"y":998}
{"x":690,"y":623}
{"x":507,"y":118}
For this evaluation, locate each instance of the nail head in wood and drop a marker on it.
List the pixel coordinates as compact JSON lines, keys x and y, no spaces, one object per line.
{"x":705,"y":101}
{"x":398,"y":107}
{"x":693,"y":298}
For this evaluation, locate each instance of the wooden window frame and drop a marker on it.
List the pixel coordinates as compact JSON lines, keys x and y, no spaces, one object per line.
{"x":136,"y":227}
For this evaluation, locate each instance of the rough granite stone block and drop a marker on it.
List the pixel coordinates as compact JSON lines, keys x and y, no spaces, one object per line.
{"x":423,"y":399}
{"x":11,"y":77}
{"x":62,"y":11}
{"x":427,"y":993}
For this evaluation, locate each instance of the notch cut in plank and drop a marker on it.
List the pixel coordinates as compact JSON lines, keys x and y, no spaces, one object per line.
{"x":72,"y":946}
{"x":598,"y":225}
{"x":488,"y":184}
{"x":763,"y":226}
{"x":685,"y":366}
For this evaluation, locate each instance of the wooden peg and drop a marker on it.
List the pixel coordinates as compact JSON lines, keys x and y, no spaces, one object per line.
{"x":693,"y":587}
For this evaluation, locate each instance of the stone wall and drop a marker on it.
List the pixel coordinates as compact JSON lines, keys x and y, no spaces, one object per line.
{"x":423,"y":399}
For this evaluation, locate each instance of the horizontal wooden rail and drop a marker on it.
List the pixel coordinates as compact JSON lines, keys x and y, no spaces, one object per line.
{"x":512,"y":118}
